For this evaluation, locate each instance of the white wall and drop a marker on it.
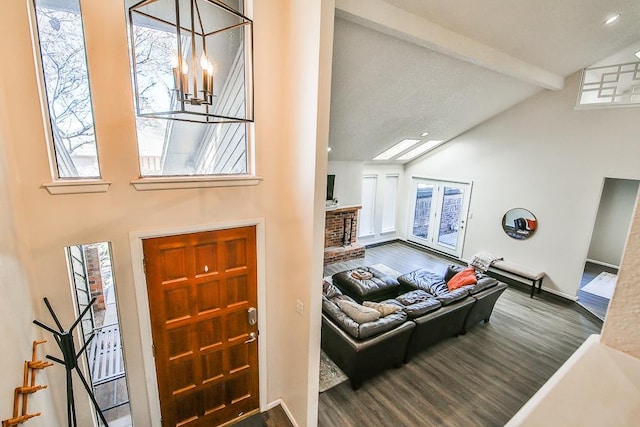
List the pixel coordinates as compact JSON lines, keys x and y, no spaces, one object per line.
{"x":16,"y":300}
{"x":289,"y":121}
{"x":348,"y":184}
{"x":613,"y":220}
{"x":545,"y":156}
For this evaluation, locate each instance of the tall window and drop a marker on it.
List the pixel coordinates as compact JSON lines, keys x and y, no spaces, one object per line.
{"x":179,"y":148}
{"x":90,"y":268}
{"x":366,"y":220}
{"x":64,"y":66}
{"x":389,"y":205}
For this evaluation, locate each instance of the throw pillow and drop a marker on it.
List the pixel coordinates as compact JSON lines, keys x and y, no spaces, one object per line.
{"x":330,"y":290}
{"x":464,"y":278}
{"x":357,"y":312}
{"x":383,"y":308}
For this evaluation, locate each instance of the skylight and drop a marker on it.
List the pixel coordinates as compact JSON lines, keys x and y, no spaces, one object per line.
{"x":429,"y":145}
{"x":396,"y":149}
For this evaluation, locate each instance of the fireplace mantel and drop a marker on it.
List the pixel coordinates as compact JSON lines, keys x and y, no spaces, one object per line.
{"x":339,"y":208}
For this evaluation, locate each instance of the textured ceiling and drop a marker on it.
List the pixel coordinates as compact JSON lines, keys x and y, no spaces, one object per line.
{"x":387,"y":87}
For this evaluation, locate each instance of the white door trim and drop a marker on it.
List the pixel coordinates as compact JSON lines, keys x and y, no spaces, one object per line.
{"x":142,"y":302}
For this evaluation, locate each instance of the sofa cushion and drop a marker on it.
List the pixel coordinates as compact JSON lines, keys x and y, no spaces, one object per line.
{"x":451,"y":271}
{"x":416,"y":303}
{"x":464,"y":278}
{"x":364,"y":330}
{"x":434,"y":284}
{"x":330,"y":290}
{"x":359,"y":313}
{"x":484,"y":281}
{"x":414,"y":297}
{"x":383,"y":308}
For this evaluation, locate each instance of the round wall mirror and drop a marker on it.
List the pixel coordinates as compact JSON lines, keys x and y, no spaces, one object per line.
{"x":519,"y":223}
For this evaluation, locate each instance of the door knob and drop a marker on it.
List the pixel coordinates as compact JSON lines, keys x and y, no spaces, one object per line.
{"x":252,"y":337}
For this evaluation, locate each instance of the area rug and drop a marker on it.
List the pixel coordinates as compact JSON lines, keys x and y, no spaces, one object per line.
{"x":387,"y":270}
{"x":602,"y":286}
{"x":330,"y":374}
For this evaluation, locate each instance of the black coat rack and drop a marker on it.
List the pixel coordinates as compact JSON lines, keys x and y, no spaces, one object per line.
{"x":70,"y":360}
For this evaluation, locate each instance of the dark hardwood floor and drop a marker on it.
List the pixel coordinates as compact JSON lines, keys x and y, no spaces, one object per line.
{"x":274,"y":417}
{"x":478,"y":379}
{"x":594,"y":303}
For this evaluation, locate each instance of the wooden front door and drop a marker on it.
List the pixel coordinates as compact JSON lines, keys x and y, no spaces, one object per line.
{"x":202,"y":288}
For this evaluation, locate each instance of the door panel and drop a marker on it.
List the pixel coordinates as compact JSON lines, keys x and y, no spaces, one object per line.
{"x":200,"y":289}
{"x":451,"y":221}
{"x":439,"y":214}
{"x":422,"y":210}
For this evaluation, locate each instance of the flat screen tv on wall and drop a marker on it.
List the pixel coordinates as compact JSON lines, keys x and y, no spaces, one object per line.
{"x":331,"y":179}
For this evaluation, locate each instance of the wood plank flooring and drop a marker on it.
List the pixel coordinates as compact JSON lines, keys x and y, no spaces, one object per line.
{"x":478,"y":379}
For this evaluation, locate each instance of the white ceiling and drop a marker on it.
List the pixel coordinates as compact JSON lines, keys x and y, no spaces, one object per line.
{"x":404,"y":67}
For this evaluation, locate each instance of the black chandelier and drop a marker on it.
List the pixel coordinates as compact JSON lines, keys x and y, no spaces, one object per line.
{"x":192,"y":60}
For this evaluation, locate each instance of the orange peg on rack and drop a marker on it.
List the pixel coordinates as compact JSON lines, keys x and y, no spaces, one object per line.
{"x":29,"y":386}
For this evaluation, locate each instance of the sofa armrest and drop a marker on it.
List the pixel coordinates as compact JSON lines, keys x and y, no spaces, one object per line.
{"x":360,"y":359}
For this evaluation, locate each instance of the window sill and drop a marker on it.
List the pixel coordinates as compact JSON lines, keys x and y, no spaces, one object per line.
{"x":77,"y":186}
{"x":171,"y":183}
{"x":367,"y":236}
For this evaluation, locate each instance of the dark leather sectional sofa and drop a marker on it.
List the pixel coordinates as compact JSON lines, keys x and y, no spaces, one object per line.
{"x":428,"y":313}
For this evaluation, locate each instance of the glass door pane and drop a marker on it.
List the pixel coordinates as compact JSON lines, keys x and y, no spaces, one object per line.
{"x":452,"y":199}
{"x":423,"y":209}
{"x":439,"y":214}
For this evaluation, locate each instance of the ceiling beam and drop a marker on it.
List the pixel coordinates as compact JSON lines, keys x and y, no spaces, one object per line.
{"x":381,"y":16}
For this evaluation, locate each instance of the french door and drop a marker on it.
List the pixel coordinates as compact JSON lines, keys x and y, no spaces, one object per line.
{"x":438,"y":214}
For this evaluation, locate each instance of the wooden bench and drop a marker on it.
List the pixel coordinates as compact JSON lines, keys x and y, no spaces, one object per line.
{"x":520,"y":271}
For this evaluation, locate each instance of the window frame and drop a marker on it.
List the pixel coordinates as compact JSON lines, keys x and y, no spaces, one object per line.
{"x":363,"y":210}
{"x":58,"y":184}
{"x":392,"y":203}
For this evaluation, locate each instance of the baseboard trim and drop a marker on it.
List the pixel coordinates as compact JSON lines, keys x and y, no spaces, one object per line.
{"x":605,"y":264}
{"x":431,"y":250}
{"x":589,"y":312}
{"x":286,"y":410}
{"x":381,"y":243}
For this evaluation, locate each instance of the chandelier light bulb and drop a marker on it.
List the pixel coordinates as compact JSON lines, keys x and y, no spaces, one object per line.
{"x":204,"y":62}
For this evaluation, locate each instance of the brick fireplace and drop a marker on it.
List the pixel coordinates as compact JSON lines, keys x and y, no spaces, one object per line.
{"x":341,"y":235}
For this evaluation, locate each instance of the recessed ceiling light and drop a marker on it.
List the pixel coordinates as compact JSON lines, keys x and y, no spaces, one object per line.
{"x":424,"y":134}
{"x":328,"y":149}
{"x":637,"y":54}
{"x":429,"y":145}
{"x":613,"y":18}
{"x":396,"y":149}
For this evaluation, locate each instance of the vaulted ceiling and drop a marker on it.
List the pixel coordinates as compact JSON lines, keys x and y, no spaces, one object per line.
{"x":405,"y":67}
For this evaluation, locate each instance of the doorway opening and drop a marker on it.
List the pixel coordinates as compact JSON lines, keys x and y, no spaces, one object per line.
{"x":610,"y":233}
{"x":438,"y":214}
{"x":92,"y":277}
